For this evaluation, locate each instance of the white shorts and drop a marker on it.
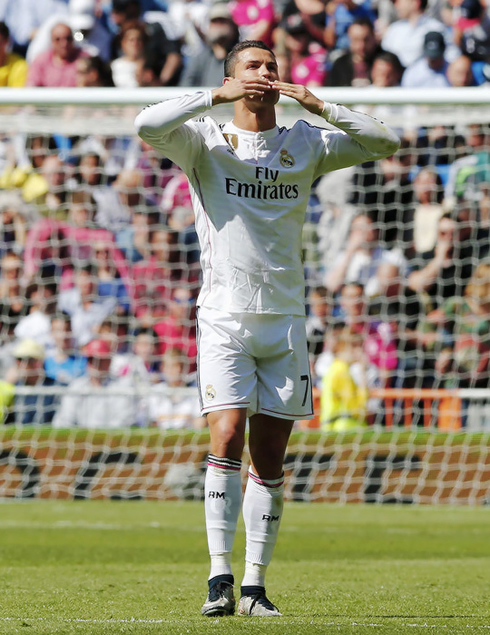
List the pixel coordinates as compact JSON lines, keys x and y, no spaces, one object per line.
{"x":257,"y":362}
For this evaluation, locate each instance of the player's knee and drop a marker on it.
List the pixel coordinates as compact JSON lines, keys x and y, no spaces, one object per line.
{"x":227,"y":431}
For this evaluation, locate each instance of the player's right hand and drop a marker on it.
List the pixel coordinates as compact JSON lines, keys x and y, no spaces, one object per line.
{"x":234,"y":89}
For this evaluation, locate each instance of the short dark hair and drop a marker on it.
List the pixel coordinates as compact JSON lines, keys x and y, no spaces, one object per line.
{"x":363,"y":21}
{"x":4,"y":31}
{"x":391,"y":58}
{"x":231,"y":58}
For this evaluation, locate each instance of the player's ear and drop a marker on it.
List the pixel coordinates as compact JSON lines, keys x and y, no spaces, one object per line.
{"x":226,"y":79}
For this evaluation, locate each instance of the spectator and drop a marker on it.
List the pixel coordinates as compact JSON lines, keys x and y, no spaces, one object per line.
{"x":459,"y":73}
{"x":56,"y":67}
{"x":430,"y":70}
{"x":442,"y":272}
{"x":88,"y":30}
{"x":353,"y":68}
{"x":156,"y":277}
{"x":341,"y":15}
{"x":255,"y":19}
{"x":134,"y":240}
{"x":159,"y":44}
{"x":463,"y":361}
{"x":41,"y":297}
{"x":385,"y":190}
{"x":91,"y":33}
{"x":12,"y":224}
{"x":405,"y":37}
{"x":140,"y":365}
{"x":429,"y":194}
{"x":133,"y":37}
{"x":178,"y":329}
{"x":386,"y":70}
{"x":361,"y":257}
{"x":320,"y":304}
{"x":85,"y":307}
{"x":50,"y":197}
{"x":13,"y":68}
{"x":399,"y":308}
{"x":97,"y":400}
{"x":468,"y":174}
{"x":63,"y":362}
{"x":115,"y":203}
{"x":26,"y":17}
{"x":13,"y":303}
{"x":93,"y":72}
{"x":376,"y":331}
{"x":472,"y":30}
{"x":47,"y":254}
{"x":109,"y":282}
{"x":206,"y":66}
{"x":305,"y":61}
{"x":188,"y":18}
{"x":171,"y":409}
{"x":148,"y":71}
{"x":343,"y":402}
{"x":30,"y":409}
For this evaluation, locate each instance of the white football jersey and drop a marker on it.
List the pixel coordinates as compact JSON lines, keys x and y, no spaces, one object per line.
{"x":250,"y":191}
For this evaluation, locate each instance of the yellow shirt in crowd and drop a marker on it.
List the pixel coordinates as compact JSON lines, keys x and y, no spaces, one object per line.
{"x":343,"y":402}
{"x":13,"y":73}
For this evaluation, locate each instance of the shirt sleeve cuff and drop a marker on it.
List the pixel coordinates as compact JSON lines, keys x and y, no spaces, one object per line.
{"x":329,"y":112}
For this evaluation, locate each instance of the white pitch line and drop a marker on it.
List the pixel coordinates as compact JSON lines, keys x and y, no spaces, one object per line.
{"x":133,"y":620}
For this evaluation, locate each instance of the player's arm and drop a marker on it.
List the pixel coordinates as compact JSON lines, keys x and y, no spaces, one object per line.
{"x":162,"y":126}
{"x":373,"y":139}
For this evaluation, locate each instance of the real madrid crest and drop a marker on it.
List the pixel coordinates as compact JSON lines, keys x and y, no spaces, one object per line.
{"x":286,"y":160}
{"x":232,"y":139}
{"x":209,"y":393}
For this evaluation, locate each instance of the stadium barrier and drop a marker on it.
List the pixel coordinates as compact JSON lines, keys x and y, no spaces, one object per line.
{"x":394,"y":464}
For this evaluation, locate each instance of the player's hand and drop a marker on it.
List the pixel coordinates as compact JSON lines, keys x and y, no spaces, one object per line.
{"x":302,"y":96}
{"x":235,"y":89}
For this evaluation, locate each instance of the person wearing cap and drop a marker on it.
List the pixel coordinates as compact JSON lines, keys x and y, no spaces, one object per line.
{"x":405,"y":36}
{"x":430,"y":70}
{"x":34,"y":408}
{"x":221,"y":35}
{"x":98,"y":400}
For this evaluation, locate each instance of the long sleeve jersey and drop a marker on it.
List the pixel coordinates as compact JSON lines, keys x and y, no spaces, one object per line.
{"x":250,"y":191}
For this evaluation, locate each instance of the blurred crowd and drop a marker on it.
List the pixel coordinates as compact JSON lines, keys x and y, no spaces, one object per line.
{"x":99,"y":259}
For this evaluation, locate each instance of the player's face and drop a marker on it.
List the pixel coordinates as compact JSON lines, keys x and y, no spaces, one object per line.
{"x":255,"y":63}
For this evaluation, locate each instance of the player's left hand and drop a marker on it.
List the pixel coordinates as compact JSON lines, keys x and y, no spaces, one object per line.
{"x":301,"y":94}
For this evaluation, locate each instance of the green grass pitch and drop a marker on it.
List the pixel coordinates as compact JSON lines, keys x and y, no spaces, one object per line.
{"x":140,"y":567}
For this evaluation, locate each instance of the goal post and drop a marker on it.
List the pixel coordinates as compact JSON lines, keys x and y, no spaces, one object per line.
{"x":421,"y":445}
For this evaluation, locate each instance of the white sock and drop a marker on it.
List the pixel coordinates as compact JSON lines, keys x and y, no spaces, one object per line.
{"x":223,"y":495}
{"x":262,"y":512}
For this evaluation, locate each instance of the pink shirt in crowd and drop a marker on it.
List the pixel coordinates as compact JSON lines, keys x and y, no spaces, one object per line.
{"x":246,"y":14}
{"x":44,"y":71}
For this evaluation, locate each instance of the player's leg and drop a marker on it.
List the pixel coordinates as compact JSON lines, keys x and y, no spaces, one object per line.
{"x":222,"y":503}
{"x":283,"y":395}
{"x":262,"y":509}
{"x":227,"y":384}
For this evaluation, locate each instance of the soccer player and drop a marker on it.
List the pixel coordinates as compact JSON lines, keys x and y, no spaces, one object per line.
{"x":250,"y":182}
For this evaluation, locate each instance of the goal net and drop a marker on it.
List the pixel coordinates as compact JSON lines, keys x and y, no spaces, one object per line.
{"x":99,"y":266}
